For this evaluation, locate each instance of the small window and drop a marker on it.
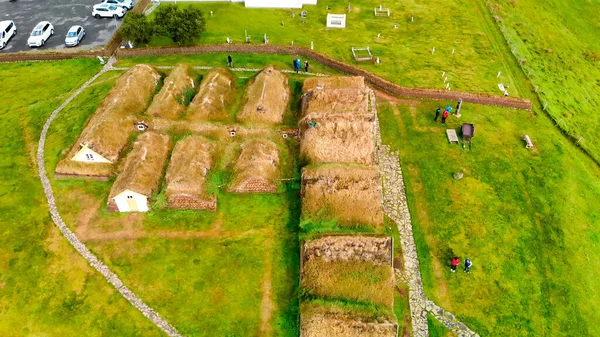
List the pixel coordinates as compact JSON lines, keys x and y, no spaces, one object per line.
{"x":130,"y":197}
{"x":89,"y":156}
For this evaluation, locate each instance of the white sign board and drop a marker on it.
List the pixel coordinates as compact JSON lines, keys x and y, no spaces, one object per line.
{"x":336,"y":20}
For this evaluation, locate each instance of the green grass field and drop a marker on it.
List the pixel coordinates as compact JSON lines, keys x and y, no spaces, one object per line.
{"x":557,"y":45}
{"x":406,"y":51}
{"x":525,"y":217}
{"x":47,"y":289}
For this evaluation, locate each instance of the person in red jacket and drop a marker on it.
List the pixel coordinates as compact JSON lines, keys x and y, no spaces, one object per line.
{"x":444,"y":116}
{"x":455,"y":263}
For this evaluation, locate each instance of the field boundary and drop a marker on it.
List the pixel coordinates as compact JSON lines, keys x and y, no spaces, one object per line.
{"x":377,"y":81}
{"x":348,"y":69}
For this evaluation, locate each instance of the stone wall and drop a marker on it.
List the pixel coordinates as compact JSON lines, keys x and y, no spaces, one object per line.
{"x":345,"y":248}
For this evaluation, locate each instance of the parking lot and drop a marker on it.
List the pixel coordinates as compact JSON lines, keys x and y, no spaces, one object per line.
{"x":62,"y":14}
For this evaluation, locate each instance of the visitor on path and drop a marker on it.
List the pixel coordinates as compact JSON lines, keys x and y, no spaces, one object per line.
{"x":444,"y":116}
{"x":468,"y":265}
{"x":437,"y":114}
{"x":449,"y":109}
{"x":306,"y":66}
{"x":296,"y":65}
{"x":229,"y":61}
{"x":455,"y":263}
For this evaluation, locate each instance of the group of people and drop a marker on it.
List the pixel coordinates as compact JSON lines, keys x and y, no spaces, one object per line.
{"x":456,"y":262}
{"x":298,"y":65}
{"x":445,"y":115}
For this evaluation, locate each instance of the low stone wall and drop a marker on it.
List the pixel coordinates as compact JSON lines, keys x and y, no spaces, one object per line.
{"x":374,"y":80}
{"x":183,"y":202}
{"x":350,"y":248}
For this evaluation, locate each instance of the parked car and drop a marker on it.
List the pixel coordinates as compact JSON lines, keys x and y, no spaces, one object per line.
{"x":74,"y":36}
{"x":40,"y":34}
{"x":8,"y":29}
{"x":126,"y":4}
{"x":107,"y":11}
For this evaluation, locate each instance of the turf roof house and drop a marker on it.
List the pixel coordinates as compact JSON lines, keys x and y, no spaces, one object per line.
{"x":107,"y":133}
{"x":337,"y":122}
{"x":141,"y":175}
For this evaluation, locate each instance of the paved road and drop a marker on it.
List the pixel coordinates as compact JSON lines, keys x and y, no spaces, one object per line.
{"x":62,"y":14}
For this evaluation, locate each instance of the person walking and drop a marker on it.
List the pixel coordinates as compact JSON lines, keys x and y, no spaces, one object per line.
{"x":444,"y":116}
{"x":437,"y":114}
{"x":297,"y":65}
{"x":468,"y":265}
{"x":306,"y":66}
{"x":454,"y":264}
{"x":229,"y":61}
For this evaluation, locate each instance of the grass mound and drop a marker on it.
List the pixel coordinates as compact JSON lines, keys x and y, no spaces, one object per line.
{"x":171,"y":100}
{"x":349,"y":193}
{"x":266,"y":98}
{"x":143,"y":167}
{"x":186,"y":176}
{"x":257,"y":167}
{"x":214,"y":96}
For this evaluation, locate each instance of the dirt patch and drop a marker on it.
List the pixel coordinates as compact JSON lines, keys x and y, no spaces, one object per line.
{"x":398,"y":263}
{"x":441,"y":290}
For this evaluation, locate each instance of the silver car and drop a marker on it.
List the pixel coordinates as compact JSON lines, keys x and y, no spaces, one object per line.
{"x":74,"y":36}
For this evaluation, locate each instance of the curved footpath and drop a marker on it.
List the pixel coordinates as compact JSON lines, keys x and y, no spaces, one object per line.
{"x":103,"y":269}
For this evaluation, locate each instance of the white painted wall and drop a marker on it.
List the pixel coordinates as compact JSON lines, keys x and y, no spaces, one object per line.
{"x":88,"y":155}
{"x":122,"y":201}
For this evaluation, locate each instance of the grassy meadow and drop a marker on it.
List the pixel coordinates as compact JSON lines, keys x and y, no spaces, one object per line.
{"x":405,"y":51}
{"x":527,"y":218}
{"x":557,"y":45}
{"x":47,"y":289}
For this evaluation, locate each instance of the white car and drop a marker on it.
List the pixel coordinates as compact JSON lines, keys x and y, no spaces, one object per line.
{"x":74,"y":36}
{"x":126,"y":4}
{"x":107,"y":11}
{"x":7,"y":31}
{"x":40,"y":34}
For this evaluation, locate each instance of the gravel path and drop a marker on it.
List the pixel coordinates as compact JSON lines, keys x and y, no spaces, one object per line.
{"x":108,"y":274}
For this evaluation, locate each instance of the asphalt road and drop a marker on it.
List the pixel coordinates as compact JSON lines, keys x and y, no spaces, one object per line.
{"x":62,"y":14}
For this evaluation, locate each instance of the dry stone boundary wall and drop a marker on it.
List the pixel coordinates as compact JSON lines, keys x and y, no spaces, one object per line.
{"x":377,"y":250}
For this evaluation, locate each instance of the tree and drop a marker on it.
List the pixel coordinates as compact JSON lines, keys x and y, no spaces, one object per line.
{"x":181,"y":25}
{"x":136,"y":28}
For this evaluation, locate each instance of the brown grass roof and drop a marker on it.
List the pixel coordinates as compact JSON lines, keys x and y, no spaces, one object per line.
{"x":186,"y":176}
{"x":333,"y":82}
{"x":336,"y":321}
{"x":338,"y":140}
{"x":214,"y":96}
{"x":108,"y":130}
{"x":349,"y":193}
{"x":168,"y":102}
{"x":143,"y":165}
{"x":257,"y":167}
{"x":266,"y":98}
{"x":352,"y":280}
{"x":347,"y":101}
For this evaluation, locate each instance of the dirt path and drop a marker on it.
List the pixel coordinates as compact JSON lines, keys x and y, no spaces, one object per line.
{"x":266,"y":304}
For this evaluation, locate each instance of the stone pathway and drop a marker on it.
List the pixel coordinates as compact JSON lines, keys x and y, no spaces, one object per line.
{"x":396,"y":208}
{"x":108,"y":274}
